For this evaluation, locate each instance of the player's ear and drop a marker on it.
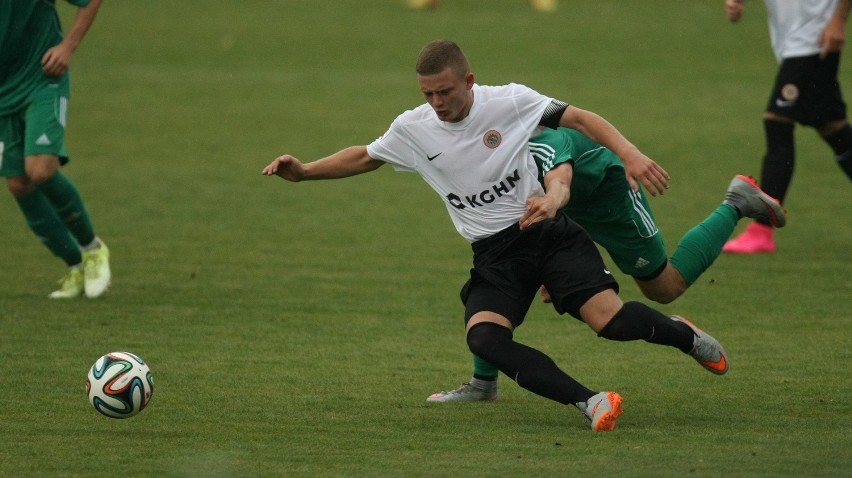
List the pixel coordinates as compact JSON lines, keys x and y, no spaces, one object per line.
{"x":468,"y":80}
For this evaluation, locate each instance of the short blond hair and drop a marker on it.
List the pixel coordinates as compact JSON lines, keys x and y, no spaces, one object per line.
{"x":438,"y":55}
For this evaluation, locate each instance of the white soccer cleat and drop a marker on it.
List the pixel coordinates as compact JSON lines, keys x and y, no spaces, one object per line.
{"x":706,"y":350}
{"x":96,"y":272}
{"x":746,"y":196}
{"x":602,"y":411}
{"x":465,"y":393}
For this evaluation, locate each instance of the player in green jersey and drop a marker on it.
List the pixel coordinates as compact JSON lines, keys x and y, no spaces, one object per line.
{"x":619,"y":219}
{"x":34,"y":90}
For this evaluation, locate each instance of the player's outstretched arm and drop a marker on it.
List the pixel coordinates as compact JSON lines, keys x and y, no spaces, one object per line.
{"x":557,"y":186}
{"x":638,"y":167}
{"x":342,"y":164}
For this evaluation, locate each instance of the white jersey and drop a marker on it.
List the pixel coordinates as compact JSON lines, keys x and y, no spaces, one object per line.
{"x":795,"y":26}
{"x":481,"y":166}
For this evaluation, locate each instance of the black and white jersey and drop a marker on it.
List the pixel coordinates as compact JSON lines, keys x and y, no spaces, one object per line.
{"x":480,"y":166}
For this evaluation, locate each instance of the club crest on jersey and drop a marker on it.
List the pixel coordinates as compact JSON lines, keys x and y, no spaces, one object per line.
{"x":492,"y":139}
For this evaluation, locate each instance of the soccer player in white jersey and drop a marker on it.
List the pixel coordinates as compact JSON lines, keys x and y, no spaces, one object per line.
{"x":469,"y":142}
{"x":621,"y":221}
{"x":807,"y":37}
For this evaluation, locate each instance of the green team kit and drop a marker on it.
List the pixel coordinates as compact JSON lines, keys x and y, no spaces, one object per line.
{"x":33,"y":105}
{"x":602,"y":201}
{"x":34,"y":90}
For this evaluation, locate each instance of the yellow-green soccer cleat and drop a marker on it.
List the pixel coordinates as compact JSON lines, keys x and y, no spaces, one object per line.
{"x":543,"y":5}
{"x":422,"y":4}
{"x":96,"y":272}
{"x":70,"y":286}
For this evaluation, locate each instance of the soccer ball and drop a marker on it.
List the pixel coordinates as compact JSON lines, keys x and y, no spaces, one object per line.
{"x":119,"y":385}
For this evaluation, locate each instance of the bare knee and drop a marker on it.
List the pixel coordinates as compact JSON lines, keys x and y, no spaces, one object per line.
{"x":665,"y":288}
{"x":41,"y":167}
{"x":600,"y":309}
{"x":488,"y":316}
{"x":19,"y":186}
{"x":662,"y":296}
{"x":832,"y":127}
{"x":776,"y":117}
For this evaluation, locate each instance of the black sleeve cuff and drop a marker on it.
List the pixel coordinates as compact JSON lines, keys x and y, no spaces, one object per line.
{"x":553,"y":113}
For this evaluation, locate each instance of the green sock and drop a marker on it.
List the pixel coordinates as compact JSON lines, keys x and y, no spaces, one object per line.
{"x":45,"y":223}
{"x":484,"y":370}
{"x":65,"y":197}
{"x":699,"y":247}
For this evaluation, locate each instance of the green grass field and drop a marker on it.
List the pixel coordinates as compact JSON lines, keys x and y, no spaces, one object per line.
{"x":296,"y":330}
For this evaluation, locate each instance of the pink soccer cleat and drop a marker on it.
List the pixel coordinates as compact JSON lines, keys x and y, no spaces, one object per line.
{"x":756,"y":239}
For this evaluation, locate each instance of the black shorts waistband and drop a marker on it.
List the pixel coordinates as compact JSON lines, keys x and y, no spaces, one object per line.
{"x":509,"y":232}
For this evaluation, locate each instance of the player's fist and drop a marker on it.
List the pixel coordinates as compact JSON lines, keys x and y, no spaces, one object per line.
{"x":734,"y":10}
{"x":287,"y":167}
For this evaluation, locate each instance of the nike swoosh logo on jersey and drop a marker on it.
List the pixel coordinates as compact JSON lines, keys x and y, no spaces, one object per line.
{"x":783,"y":103}
{"x":430,"y":158}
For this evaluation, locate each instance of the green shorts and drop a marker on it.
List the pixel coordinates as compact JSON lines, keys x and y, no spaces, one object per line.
{"x":39,"y":129}
{"x":620,"y":220}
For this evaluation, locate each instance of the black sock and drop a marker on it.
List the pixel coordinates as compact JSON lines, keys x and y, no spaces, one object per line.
{"x":637,"y":321}
{"x":845,"y":163}
{"x":841,"y":144}
{"x":530,"y":368}
{"x":780,"y":160}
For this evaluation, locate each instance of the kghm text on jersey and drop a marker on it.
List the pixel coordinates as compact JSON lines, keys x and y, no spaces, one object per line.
{"x":487,"y":196}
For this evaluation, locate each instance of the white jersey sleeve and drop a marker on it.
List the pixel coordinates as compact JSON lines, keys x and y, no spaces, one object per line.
{"x":480,"y":166}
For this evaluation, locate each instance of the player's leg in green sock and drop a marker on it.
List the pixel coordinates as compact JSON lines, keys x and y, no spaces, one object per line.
{"x":45,"y":223}
{"x":484,"y":370}
{"x":66,"y":199}
{"x":702,"y":244}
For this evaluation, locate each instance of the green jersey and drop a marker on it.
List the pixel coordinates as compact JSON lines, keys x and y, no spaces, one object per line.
{"x":615,"y":216}
{"x":28,"y":28}
{"x":592,"y":163}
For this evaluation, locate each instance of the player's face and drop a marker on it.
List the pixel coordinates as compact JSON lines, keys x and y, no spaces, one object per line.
{"x":449,"y":94}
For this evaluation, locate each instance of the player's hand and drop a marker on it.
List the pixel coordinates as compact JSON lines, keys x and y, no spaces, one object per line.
{"x":833,"y":37}
{"x":640,"y":168}
{"x":734,"y":10}
{"x":287,"y":167}
{"x":56,"y":60}
{"x":539,"y":208}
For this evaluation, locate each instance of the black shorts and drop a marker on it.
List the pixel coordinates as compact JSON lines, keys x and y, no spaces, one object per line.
{"x":509,"y":267}
{"x":806,"y":90}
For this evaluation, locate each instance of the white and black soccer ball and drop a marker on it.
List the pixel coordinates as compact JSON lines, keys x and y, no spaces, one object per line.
{"x":119,"y":385}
